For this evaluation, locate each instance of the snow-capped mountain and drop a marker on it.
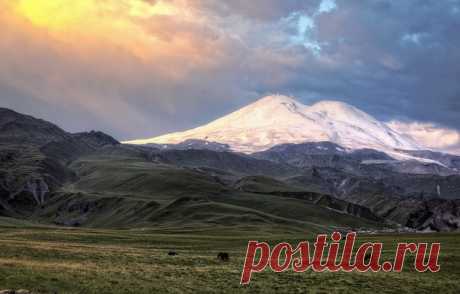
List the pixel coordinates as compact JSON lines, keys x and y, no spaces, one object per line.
{"x":275,"y":120}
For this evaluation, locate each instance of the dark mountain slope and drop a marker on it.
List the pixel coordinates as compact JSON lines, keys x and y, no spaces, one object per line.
{"x":33,"y":159}
{"x":231,"y":162}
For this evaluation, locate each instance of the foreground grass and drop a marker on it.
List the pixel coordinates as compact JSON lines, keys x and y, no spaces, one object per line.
{"x":56,"y":260}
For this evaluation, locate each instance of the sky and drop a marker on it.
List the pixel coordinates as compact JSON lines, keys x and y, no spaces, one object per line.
{"x":141,"y":68}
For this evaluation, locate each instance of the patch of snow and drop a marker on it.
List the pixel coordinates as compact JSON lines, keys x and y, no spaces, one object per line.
{"x":378,"y":161}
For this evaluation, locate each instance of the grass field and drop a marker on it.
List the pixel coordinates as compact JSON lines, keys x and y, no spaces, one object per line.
{"x":57,"y":260}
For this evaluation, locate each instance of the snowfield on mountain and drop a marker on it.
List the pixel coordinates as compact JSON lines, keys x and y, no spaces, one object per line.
{"x":275,"y":120}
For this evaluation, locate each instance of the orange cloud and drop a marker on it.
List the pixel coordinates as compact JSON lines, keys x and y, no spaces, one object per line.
{"x":63,"y":15}
{"x":94,"y":56}
{"x":153,"y":31}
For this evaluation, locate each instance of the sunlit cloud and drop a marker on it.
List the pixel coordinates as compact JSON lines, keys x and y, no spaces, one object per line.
{"x":130,"y":25}
{"x":65,"y":15}
{"x":430,"y":135}
{"x":97,"y":56}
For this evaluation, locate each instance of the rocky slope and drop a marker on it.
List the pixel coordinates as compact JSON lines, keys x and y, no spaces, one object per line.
{"x":33,"y":159}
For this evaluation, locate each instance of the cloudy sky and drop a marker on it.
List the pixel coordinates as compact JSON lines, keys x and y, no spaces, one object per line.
{"x":140,"y":68}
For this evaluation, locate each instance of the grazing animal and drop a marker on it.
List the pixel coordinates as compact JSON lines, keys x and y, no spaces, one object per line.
{"x":172,"y":253}
{"x":223,"y":256}
{"x":367,"y":257}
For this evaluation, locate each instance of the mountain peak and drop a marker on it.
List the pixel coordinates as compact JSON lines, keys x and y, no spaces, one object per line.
{"x":276,"y":99}
{"x":331,"y":108}
{"x":278,"y":119}
{"x":269,"y":104}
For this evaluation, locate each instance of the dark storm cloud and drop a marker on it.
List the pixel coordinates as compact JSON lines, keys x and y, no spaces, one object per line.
{"x":390,"y":58}
{"x":261,"y":10}
{"x":394,"y":59}
{"x":402,"y":56}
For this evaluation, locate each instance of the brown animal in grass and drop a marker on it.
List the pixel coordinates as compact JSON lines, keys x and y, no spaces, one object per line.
{"x":223,"y":256}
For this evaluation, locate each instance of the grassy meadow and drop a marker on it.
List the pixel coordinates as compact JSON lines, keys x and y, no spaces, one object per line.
{"x":76,"y":260}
